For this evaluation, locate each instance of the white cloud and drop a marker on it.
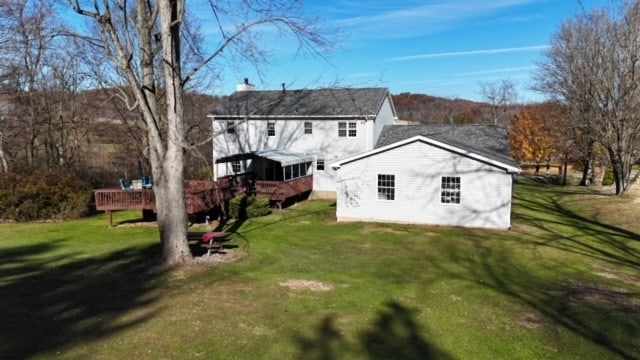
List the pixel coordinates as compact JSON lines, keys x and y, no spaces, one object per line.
{"x":470,"y":53}
{"x":497,"y":71}
{"x":407,"y":19}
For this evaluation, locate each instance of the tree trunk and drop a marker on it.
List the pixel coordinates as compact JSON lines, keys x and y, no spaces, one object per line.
{"x":564,"y":169}
{"x":620,"y":172}
{"x":587,"y":166}
{"x":173,"y":224}
{"x":3,"y":159}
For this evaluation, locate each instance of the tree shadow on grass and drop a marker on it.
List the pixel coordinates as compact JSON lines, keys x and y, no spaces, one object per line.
{"x":240,"y":227}
{"x":604,"y":315}
{"x":564,"y":229}
{"x":45,"y":306}
{"x":395,"y":334}
{"x":604,"y":312}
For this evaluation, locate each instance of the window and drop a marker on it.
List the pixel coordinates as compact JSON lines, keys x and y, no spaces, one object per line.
{"x":235,"y":166}
{"x":231,"y":127}
{"x":450,"y":190}
{"x":342,"y":129}
{"x":320,"y":164}
{"x":304,"y":171}
{"x":386,"y":187}
{"x":352,"y":129}
{"x":287,"y":172}
{"x":271,"y":129}
{"x":308,"y":127}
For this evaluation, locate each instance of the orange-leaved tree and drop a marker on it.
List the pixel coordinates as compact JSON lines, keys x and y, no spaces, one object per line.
{"x":535,"y":133}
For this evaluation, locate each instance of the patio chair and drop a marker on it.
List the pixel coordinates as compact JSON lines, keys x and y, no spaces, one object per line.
{"x":147,"y":182}
{"x":124,"y":185}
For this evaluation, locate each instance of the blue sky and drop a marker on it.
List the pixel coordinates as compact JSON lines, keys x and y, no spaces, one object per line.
{"x":436,"y":47}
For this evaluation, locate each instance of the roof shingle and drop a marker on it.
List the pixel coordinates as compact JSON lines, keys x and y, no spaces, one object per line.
{"x":486,"y":140}
{"x":303,"y":103}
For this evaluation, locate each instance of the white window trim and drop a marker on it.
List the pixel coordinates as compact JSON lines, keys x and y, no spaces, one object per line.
{"x":395,"y":187}
{"x":271,"y":125}
{"x":353,"y":128}
{"x":348,"y":127}
{"x":234,"y":164}
{"x":459,"y":190}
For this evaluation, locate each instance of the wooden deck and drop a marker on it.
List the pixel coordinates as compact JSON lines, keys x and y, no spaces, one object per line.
{"x":279,"y":191}
{"x":200,"y":195}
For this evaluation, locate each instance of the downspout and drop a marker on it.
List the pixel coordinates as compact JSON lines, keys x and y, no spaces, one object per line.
{"x":214,"y":166}
{"x":369,"y":141}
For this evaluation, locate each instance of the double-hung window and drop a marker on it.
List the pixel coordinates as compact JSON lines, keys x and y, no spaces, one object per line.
{"x":271,"y":128}
{"x":308,"y":127}
{"x":319,"y":164}
{"x":347,"y":129}
{"x":386,"y":187}
{"x":352,"y":129}
{"x":450,"y":190}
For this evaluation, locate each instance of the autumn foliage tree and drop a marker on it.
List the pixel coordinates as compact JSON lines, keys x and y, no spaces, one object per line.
{"x":535,"y":133}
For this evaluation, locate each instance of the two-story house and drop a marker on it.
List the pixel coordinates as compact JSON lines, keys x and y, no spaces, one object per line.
{"x":307,"y":128}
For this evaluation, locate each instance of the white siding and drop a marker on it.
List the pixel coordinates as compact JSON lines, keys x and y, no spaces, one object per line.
{"x":385,"y":117}
{"x":324,"y":142}
{"x":418,"y":168}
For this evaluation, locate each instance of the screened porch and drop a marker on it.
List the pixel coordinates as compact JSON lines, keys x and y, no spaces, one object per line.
{"x":274,"y":174}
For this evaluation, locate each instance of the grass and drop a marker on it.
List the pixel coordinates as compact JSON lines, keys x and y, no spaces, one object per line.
{"x":562,"y":284}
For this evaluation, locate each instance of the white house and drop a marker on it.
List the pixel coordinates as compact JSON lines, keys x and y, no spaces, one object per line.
{"x":323,"y":124}
{"x":430,"y":174}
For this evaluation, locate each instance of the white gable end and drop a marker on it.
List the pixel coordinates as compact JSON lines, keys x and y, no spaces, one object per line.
{"x":417,"y":169}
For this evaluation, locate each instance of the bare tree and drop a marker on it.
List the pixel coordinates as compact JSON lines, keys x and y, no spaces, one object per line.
{"x":43,"y":77}
{"x":500,"y":94}
{"x":593,"y":67}
{"x":144,"y":39}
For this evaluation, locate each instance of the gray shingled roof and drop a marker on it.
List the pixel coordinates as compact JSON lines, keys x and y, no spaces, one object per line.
{"x":303,"y":103}
{"x":486,"y":140}
{"x":284,"y":157}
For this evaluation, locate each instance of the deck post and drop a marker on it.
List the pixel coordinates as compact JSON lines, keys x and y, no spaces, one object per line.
{"x":110,"y":218}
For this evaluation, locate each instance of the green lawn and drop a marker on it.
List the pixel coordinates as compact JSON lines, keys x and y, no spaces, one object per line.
{"x":564,"y":283}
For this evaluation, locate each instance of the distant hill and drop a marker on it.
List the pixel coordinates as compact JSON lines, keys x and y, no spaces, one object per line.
{"x":426,"y":109}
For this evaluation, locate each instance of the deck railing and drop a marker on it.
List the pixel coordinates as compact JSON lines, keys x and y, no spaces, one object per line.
{"x":282,"y":190}
{"x":118,"y":199}
{"x":200,"y":195}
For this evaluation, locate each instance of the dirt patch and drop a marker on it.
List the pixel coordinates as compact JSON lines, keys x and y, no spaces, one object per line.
{"x":530,"y":321}
{"x":137,"y":223}
{"x":199,"y":263}
{"x":307,"y":285}
{"x":227,"y":256}
{"x":368,"y":229}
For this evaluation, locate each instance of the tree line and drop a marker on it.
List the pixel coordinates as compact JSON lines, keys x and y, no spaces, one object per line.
{"x":592,"y":69}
